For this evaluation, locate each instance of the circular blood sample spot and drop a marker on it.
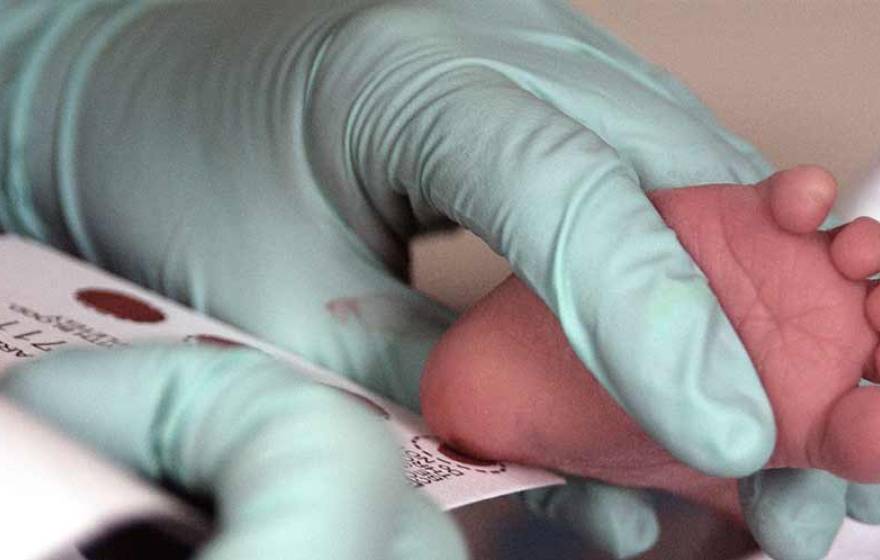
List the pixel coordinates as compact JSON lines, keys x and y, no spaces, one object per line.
{"x":360,"y":399}
{"x":119,"y":305}
{"x":214,"y":340}
{"x":460,"y":457}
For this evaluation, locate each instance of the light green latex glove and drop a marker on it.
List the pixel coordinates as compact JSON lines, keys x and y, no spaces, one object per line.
{"x":266,"y":161}
{"x":299,"y":469}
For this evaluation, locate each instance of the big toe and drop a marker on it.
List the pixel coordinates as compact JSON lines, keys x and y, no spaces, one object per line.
{"x":801,"y":197}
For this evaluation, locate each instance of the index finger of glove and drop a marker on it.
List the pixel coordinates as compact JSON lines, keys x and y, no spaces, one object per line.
{"x":289,"y":461}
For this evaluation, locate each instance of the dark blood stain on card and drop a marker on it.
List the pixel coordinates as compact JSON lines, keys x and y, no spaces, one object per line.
{"x":119,"y":305}
{"x":360,"y":399}
{"x":460,"y":457}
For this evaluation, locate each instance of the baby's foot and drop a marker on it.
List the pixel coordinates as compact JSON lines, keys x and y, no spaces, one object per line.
{"x":503,"y":383}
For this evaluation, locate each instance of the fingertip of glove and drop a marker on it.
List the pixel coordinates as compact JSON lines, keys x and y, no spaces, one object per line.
{"x":619,"y":521}
{"x":636,"y":528}
{"x":700,"y":396}
{"x":793,"y":514}
{"x":728,"y":446}
{"x":863,"y":503}
{"x":635,"y":531}
{"x":778,"y":542}
{"x":734,"y":424}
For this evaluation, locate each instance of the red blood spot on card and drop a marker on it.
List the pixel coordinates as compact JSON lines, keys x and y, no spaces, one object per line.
{"x":119,"y":305}
{"x":214,"y":340}
{"x":360,"y":399}
{"x":460,"y":457}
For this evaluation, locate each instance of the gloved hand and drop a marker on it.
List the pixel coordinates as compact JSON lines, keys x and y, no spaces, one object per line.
{"x":299,"y":469}
{"x":266,"y":162}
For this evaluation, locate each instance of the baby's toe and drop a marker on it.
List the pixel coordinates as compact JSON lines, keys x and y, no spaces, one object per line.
{"x":801,"y":198}
{"x":855,"y":249}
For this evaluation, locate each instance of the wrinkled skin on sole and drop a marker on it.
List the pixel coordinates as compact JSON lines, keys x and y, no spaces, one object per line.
{"x":504,"y":384}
